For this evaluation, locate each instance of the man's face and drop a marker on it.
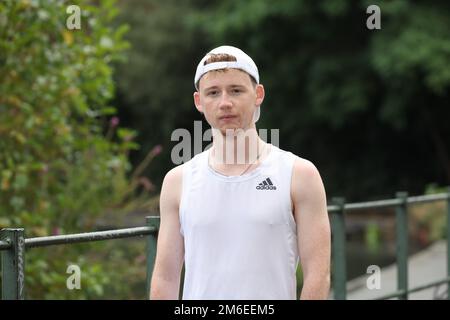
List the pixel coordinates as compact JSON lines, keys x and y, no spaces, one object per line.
{"x":228,"y":99}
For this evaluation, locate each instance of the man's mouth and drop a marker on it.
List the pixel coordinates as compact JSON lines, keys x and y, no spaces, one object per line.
{"x":227,"y":117}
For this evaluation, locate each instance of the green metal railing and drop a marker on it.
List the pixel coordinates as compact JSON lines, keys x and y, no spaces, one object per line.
{"x":400,"y":203}
{"x":13,"y":245}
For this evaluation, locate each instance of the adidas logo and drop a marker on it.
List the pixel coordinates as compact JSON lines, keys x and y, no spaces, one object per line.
{"x":266,"y":185}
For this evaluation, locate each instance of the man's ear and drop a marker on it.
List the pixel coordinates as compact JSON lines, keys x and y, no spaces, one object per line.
{"x":260,"y":93}
{"x":197,"y":102}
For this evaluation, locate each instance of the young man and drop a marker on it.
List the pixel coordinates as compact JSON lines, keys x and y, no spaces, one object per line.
{"x":243,"y":213}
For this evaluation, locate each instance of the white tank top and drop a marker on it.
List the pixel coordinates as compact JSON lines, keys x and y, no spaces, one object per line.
{"x":239,"y":231}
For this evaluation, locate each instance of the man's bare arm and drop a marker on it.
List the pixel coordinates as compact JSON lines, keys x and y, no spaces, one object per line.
{"x":170,"y":251}
{"x":313,"y":229}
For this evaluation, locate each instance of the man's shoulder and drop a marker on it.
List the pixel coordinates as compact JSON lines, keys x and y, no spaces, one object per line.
{"x":171,"y":186}
{"x":306,"y":180}
{"x":304,"y":168}
{"x":174,"y":175}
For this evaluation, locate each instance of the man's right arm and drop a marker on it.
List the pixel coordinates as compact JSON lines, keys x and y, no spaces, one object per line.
{"x":170,"y":250}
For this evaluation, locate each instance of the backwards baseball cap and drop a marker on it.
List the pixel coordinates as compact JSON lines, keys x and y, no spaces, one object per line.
{"x":243,"y":62}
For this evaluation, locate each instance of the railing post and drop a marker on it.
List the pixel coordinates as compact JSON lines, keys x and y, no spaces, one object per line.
{"x":448,"y":241}
{"x":402,"y":244}
{"x":338,"y":250}
{"x":152,"y":221}
{"x":13,"y":261}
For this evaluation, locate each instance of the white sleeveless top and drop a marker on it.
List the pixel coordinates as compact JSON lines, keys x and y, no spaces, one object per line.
{"x":239,"y":231}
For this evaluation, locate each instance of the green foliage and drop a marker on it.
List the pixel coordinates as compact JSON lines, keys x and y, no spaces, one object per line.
{"x":414,"y":44}
{"x":299,"y":276}
{"x":436,"y":215}
{"x":62,"y":163}
{"x":109,"y":270}
{"x":414,"y":49}
{"x":372,"y":237}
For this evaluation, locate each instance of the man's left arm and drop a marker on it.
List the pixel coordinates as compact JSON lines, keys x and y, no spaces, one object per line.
{"x":313,"y":229}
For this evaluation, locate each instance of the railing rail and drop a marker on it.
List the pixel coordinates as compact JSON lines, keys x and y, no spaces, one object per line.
{"x":415,"y":289}
{"x":82,"y":237}
{"x":390,"y":202}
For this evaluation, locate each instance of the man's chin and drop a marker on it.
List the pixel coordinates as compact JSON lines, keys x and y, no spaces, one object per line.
{"x":233,"y":132}
{"x":229,"y":129}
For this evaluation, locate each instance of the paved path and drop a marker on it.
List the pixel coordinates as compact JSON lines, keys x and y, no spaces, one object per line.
{"x":424,"y":267}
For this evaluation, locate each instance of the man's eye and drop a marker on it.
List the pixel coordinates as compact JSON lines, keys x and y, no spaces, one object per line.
{"x":236,"y":91}
{"x":212,"y":93}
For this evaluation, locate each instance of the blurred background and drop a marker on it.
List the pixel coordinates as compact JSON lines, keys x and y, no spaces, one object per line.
{"x":86,"y":117}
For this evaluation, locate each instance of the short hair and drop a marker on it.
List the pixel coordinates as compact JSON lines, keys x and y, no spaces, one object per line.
{"x":222,"y":57}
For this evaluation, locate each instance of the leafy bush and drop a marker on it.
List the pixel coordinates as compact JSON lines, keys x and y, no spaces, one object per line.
{"x":63,"y":162}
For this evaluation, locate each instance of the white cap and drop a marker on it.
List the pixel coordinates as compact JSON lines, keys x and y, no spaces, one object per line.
{"x":243,"y":62}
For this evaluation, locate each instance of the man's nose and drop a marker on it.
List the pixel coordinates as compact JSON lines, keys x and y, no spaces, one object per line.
{"x":225,"y":101}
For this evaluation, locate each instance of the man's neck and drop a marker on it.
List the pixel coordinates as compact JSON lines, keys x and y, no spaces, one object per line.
{"x":236,"y":149}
